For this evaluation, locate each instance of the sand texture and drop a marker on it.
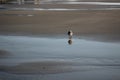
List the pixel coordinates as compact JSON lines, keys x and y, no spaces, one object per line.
{"x":52,"y":22}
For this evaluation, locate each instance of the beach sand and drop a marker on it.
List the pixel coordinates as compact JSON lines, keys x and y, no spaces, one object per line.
{"x":41,"y":67}
{"x":105,"y":23}
{"x":94,"y":25}
{"x":4,"y":53}
{"x":58,"y":22}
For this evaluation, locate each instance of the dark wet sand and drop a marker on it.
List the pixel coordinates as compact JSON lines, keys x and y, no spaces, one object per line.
{"x":52,"y":67}
{"x":4,"y":53}
{"x":42,"y":67}
{"x":55,"y":67}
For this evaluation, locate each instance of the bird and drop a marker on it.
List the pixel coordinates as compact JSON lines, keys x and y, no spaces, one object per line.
{"x":70,"y":33}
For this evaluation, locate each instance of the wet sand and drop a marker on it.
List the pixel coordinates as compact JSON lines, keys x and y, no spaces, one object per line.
{"x":95,"y":23}
{"x":60,"y":66}
{"x":40,"y":55}
{"x":4,"y":53}
{"x":58,"y":22}
{"x":41,"y":67}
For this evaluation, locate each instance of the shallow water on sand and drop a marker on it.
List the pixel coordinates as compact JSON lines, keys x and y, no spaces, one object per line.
{"x":63,"y":5}
{"x":72,"y":59}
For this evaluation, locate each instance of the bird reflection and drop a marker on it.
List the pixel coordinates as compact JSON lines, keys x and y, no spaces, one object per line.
{"x":70,"y":34}
{"x":70,"y":41}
